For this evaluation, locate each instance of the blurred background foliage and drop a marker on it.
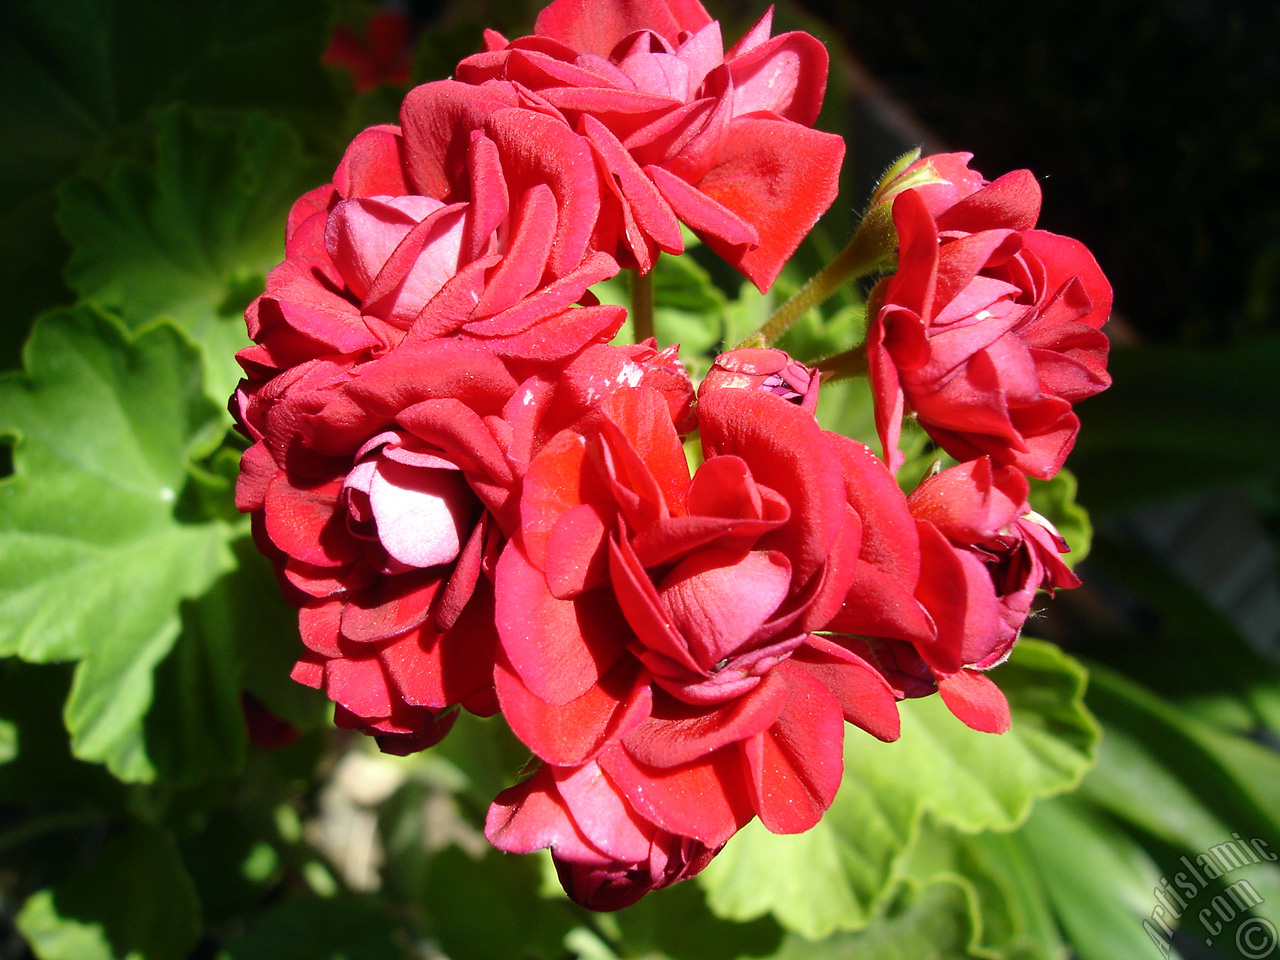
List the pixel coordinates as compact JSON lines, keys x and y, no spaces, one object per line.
{"x":166,"y":792}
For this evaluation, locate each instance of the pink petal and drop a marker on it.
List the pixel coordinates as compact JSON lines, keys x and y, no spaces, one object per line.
{"x":422,"y":515}
{"x":719,"y":600}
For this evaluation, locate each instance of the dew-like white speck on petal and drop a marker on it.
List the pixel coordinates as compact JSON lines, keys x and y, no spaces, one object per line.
{"x":630,"y":374}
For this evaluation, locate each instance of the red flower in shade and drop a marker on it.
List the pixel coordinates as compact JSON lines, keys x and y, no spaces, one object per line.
{"x":683,"y":131}
{"x":473,"y":221}
{"x":989,"y":330}
{"x":382,"y":57}
{"x":377,"y":491}
{"x":384,"y":493}
{"x":985,"y":554}
{"x":662,"y":626}
{"x":607,"y":856}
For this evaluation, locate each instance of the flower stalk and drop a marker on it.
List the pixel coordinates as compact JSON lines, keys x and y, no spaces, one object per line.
{"x":642,"y":305}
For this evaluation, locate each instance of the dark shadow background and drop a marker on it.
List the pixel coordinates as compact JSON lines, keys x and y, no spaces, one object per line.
{"x":1153,"y":126}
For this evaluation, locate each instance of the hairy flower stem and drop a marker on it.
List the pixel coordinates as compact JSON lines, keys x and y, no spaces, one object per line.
{"x":867,"y":252}
{"x":850,"y":363}
{"x":642,"y":305}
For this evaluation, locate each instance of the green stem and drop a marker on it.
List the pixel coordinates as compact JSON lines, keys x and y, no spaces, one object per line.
{"x":642,"y":305}
{"x":851,"y":363}
{"x":870,"y":249}
{"x":49,"y":823}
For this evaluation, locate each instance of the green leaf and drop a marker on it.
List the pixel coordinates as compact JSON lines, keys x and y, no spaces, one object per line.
{"x":264,"y":635}
{"x":94,"y":559}
{"x":1099,"y":880}
{"x":835,"y":876}
{"x":192,"y":234}
{"x":1235,"y":685}
{"x":134,"y":900}
{"x":1177,"y":419}
{"x":316,"y":928}
{"x":674,"y":922}
{"x":1179,"y":780}
{"x":77,"y":76}
{"x":688,"y":310}
{"x":8,"y":741}
{"x":44,"y":776}
{"x":996,"y":871}
{"x":459,"y":898}
{"x":934,"y":922}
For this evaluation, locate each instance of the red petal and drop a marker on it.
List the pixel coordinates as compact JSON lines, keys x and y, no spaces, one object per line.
{"x":865,"y":696}
{"x":779,"y":177}
{"x":558,"y":648}
{"x":976,"y":700}
{"x":576,"y":559}
{"x":706,"y":799}
{"x":392,"y":605}
{"x":574,"y":732}
{"x":794,"y":767}
{"x":678,"y":733}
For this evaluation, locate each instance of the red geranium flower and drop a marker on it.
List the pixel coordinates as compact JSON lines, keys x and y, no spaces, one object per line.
{"x":385,"y":491}
{"x":989,"y":330}
{"x":664,"y":626}
{"x":985,"y":553}
{"x":684,"y":132}
{"x":473,"y":221}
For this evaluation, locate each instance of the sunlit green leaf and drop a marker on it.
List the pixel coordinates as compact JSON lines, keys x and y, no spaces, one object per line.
{"x":94,"y":558}
{"x":995,"y":870}
{"x":936,"y":922}
{"x":1100,"y":881}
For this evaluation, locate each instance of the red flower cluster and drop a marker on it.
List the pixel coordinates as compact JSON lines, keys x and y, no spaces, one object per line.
{"x":477,"y":501}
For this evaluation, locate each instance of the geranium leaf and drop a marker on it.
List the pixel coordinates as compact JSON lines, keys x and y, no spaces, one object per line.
{"x":76,"y":75}
{"x":134,"y":900}
{"x":191,"y":234}
{"x":457,"y":888}
{"x":997,"y":871}
{"x":938,"y":921}
{"x":315,"y":928}
{"x":1099,"y":879}
{"x":835,"y":876}
{"x":1210,"y":784}
{"x":95,"y":553}
{"x":8,"y":741}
